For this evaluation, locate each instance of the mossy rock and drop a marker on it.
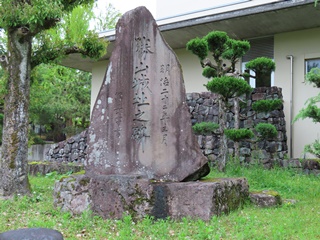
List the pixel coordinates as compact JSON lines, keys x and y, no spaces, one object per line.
{"x":266,"y":198}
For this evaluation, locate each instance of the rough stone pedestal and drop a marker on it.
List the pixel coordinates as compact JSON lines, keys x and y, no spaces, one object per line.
{"x":112,"y":196}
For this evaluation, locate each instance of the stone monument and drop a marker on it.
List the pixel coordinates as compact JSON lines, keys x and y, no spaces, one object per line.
{"x":142,"y":157}
{"x":140,"y":123}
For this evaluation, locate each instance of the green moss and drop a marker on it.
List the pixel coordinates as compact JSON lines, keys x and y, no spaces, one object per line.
{"x":82,"y":172}
{"x":84,"y":181}
{"x":38,"y":163}
{"x":211,"y":180}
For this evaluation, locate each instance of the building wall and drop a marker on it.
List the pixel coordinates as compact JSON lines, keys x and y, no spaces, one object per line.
{"x":98,"y":72}
{"x":301,"y":45}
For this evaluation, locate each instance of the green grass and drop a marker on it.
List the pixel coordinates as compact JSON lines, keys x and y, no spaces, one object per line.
{"x":290,"y":221}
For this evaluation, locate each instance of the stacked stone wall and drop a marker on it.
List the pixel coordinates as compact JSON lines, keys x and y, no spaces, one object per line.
{"x":204,"y":107}
{"x":72,"y":150}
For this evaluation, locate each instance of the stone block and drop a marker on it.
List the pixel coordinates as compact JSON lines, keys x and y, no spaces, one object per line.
{"x":116,"y":195}
{"x":203,"y":199}
{"x":72,"y":194}
{"x":266,"y":198}
{"x":258,"y":96}
{"x":31,"y":234}
{"x":113,"y":196}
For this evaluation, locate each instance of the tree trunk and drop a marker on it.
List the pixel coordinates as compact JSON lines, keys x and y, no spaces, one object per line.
{"x":236,"y":126}
{"x":14,"y":161}
{"x":222,"y":159}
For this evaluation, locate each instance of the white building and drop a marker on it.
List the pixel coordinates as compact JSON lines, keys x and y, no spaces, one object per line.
{"x":287,"y":31}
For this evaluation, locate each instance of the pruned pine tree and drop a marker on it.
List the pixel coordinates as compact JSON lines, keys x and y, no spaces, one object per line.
{"x":33,"y":37}
{"x":220,"y":68}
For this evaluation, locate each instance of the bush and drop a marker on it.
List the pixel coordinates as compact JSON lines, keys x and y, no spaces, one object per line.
{"x":205,"y":127}
{"x":228,"y":87}
{"x":313,"y":76}
{"x":267,"y":105}
{"x":238,"y":134}
{"x":313,"y":148}
{"x":266,"y":130}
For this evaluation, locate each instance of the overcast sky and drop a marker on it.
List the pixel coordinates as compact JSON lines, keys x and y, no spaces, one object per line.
{"x":126,"y":5}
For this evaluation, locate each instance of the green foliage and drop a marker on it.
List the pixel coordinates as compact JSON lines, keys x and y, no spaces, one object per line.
{"x":228,"y":87}
{"x":221,"y":47}
{"x":261,"y":65}
{"x":209,"y":72}
{"x":267,"y":105}
{"x":238,"y":134}
{"x":313,"y":148}
{"x":266,"y":130}
{"x":313,"y":76}
{"x":60,"y":96}
{"x":205,"y":127}
{"x":311,"y":111}
{"x":216,"y":41}
{"x":107,"y":19}
{"x":198,"y":47}
{"x":93,"y":46}
{"x":50,"y":47}
{"x":76,"y":24}
{"x":235,"y":50}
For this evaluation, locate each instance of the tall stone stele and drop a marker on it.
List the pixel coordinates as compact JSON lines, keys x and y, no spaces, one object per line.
{"x":140,"y":123}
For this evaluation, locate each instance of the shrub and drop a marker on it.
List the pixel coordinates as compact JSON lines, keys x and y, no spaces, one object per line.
{"x":209,"y":72}
{"x":266,"y":130}
{"x":313,"y":76}
{"x":228,"y":87}
{"x":267,"y":105}
{"x":313,"y":148}
{"x":205,"y":127}
{"x":238,"y":134}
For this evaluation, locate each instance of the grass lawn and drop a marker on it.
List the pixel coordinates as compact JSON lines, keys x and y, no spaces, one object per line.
{"x":290,"y":221}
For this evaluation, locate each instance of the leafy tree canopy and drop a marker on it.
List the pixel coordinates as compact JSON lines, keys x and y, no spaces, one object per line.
{"x":60,"y":99}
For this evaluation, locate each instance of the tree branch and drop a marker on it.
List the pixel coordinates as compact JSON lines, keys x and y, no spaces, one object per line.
{"x":52,"y":55}
{"x":207,"y":62}
{"x":48,"y":23}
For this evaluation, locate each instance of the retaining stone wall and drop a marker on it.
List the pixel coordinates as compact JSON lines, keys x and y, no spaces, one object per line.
{"x":204,"y":107}
{"x":72,"y":150}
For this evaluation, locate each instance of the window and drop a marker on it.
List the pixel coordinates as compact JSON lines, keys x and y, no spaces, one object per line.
{"x":312,"y":63}
{"x":259,"y":47}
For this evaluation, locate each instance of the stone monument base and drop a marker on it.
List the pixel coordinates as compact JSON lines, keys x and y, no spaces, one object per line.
{"x":113,"y":196}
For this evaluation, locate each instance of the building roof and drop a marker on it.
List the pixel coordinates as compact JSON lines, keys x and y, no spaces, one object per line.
{"x":253,"y":22}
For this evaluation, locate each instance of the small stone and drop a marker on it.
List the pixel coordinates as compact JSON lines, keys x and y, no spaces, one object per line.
{"x":32,"y":234}
{"x":266,"y":198}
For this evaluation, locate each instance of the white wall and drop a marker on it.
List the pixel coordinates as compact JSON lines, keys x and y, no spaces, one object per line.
{"x":301,"y":45}
{"x":98,"y":72}
{"x":192,"y":71}
{"x":172,"y":11}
